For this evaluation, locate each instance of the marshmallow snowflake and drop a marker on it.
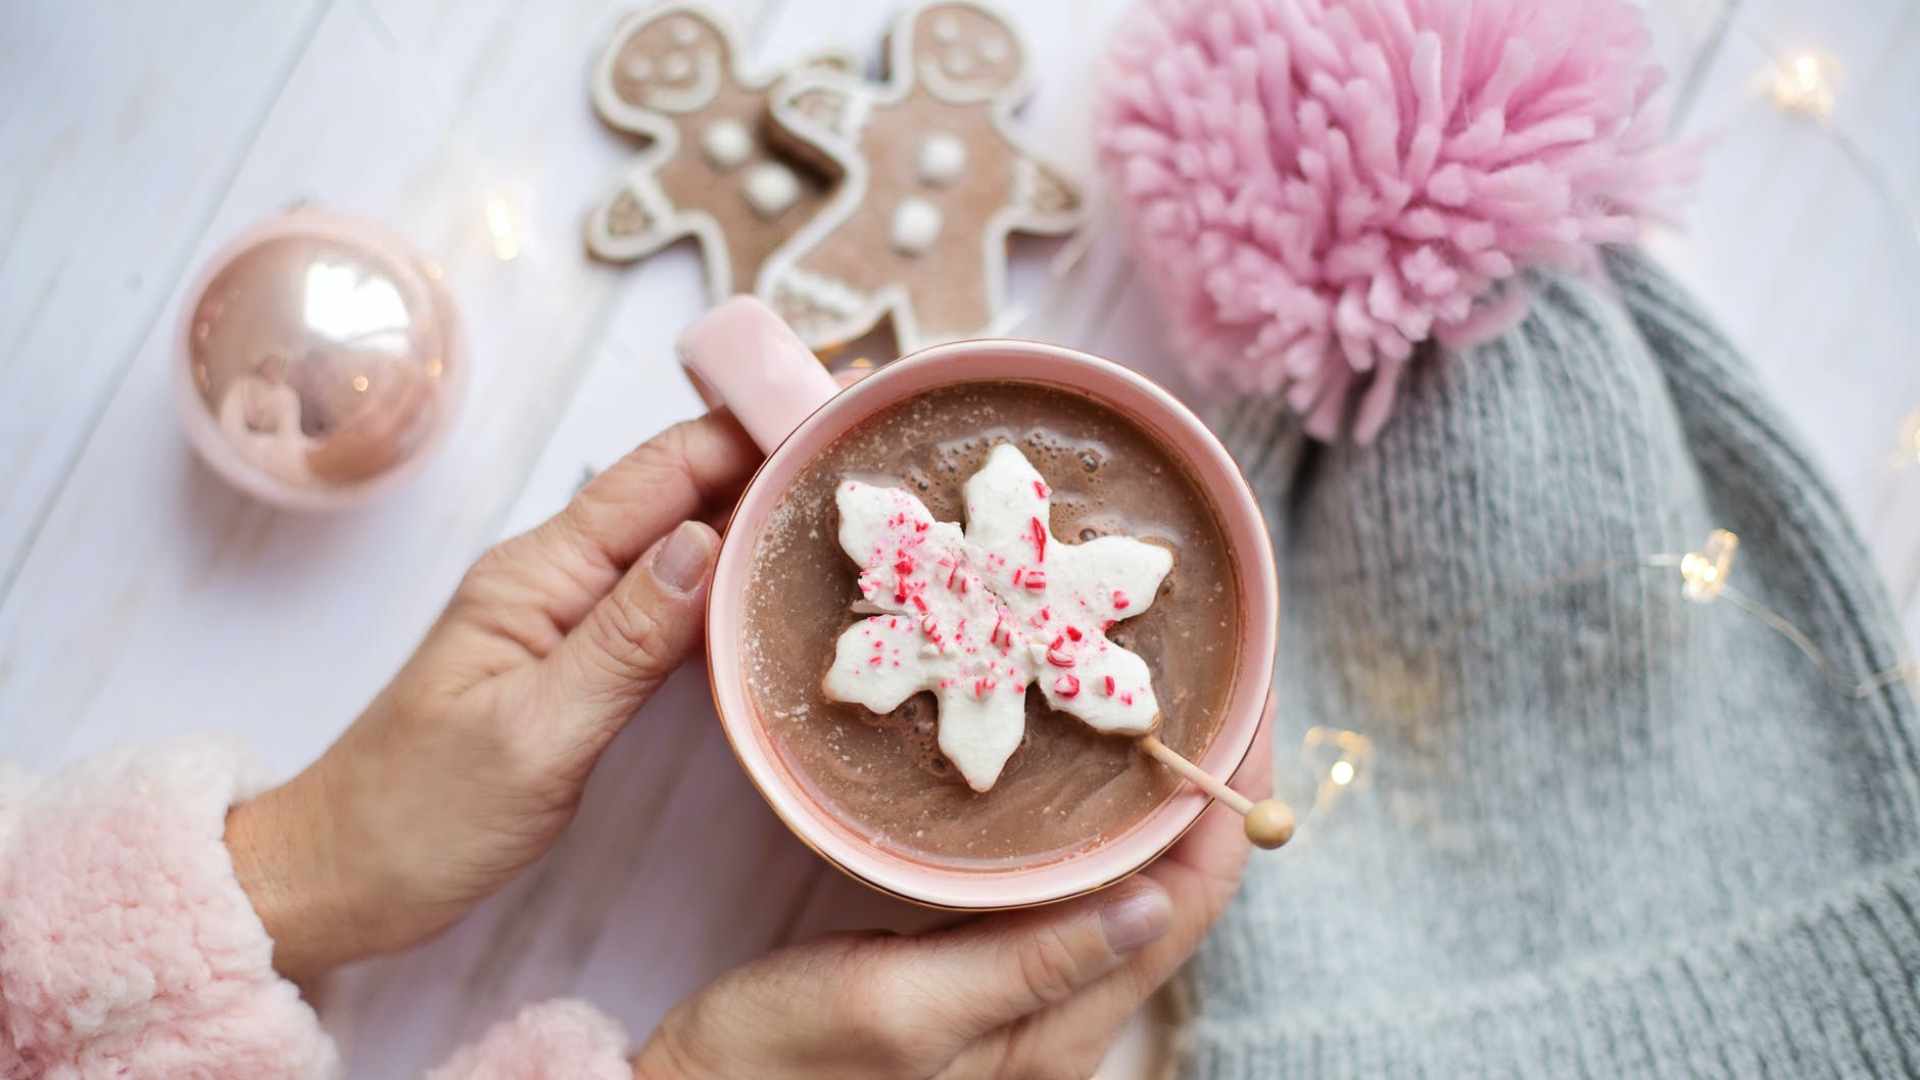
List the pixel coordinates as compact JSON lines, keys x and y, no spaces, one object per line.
{"x":980,"y":615}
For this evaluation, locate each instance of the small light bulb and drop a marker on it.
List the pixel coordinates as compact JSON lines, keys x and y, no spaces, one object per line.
{"x":1804,"y":84}
{"x":503,"y":224}
{"x":1340,"y":758}
{"x":1705,"y":571}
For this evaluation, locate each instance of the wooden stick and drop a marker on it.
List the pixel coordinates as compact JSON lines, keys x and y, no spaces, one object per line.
{"x":1199,"y":777}
{"x":1269,"y":821}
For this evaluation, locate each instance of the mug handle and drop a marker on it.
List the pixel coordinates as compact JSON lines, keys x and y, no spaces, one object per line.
{"x":745,"y":357}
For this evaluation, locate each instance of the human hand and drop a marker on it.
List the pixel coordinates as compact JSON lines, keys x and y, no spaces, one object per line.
{"x":1027,"y":994}
{"x":470,"y":762}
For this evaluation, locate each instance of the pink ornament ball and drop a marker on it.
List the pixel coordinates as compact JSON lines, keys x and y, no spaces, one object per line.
{"x":1316,"y":187}
{"x":320,"y":361}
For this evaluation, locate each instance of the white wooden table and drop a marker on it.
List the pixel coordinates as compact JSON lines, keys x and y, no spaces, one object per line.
{"x":140,"y":599}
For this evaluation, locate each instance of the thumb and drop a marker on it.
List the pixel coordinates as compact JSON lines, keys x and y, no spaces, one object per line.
{"x":998,"y":969}
{"x":636,"y":635}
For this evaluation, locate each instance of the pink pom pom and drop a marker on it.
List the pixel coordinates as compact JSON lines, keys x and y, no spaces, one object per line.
{"x":1318,"y":186}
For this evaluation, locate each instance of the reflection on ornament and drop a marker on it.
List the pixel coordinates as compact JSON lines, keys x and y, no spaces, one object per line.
{"x":1705,"y":571}
{"x":1804,"y":84}
{"x":320,"y":357}
{"x":343,"y":303}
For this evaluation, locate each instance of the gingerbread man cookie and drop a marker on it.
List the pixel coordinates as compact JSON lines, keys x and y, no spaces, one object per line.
{"x":932,"y":182}
{"x":671,"y":76}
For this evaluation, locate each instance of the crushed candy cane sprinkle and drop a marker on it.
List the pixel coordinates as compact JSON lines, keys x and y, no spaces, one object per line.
{"x":978,"y":616}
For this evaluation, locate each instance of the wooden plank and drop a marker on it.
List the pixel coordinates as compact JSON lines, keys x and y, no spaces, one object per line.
{"x":219,"y":607}
{"x":634,"y":365}
{"x":1804,"y":263}
{"x":121,"y":128}
{"x":636,"y":910}
{"x":1877,"y":119}
{"x":212,"y":612}
{"x":673,"y":872}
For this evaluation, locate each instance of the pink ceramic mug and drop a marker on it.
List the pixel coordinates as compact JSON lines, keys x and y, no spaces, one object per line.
{"x":743,"y":356}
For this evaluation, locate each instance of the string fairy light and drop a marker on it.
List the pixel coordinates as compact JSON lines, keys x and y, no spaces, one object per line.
{"x":1704,"y":576}
{"x":1906,"y":452}
{"x":1337,"y":761}
{"x":1350,"y":751}
{"x":1805,"y":83}
{"x":1704,"y":572}
{"x":503,"y":226}
{"x":1340,"y":759}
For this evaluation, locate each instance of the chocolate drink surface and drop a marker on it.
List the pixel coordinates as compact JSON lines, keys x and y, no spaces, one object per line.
{"x":1068,"y":787}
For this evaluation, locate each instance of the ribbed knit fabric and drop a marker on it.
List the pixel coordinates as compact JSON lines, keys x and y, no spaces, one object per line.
{"x":1606,"y":831}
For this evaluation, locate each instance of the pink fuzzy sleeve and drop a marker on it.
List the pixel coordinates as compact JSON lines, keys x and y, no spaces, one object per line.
{"x":558,"y":1040}
{"x":127,"y":947}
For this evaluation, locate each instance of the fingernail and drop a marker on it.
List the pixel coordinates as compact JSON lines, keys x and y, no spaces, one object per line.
{"x":680,"y":562}
{"x":1137,"y":919}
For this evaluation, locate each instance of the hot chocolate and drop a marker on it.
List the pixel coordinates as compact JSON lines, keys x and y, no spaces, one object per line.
{"x":1068,"y":785}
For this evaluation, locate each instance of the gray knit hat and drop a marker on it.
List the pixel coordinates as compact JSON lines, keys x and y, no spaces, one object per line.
{"x":1606,"y":831}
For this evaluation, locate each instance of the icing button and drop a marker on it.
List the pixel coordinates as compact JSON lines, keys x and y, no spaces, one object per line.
{"x":771,"y":188}
{"x":684,"y":32}
{"x":677,"y":67}
{"x":726,"y":144}
{"x":916,"y":225}
{"x":637,"y":68}
{"x":943,"y":157}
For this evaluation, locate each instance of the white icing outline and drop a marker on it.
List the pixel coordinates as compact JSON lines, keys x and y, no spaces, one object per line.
{"x":825,"y":292}
{"x":670,"y":224}
{"x":705,"y":88}
{"x":839,"y":141}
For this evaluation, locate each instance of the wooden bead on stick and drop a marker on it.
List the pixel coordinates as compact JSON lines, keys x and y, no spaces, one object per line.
{"x":1269,"y":821}
{"x":1269,"y":824}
